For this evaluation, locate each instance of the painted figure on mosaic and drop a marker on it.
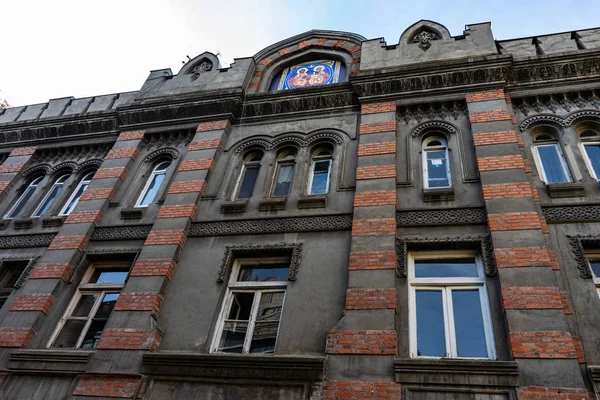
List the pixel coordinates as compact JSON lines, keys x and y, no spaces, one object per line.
{"x":314,"y":73}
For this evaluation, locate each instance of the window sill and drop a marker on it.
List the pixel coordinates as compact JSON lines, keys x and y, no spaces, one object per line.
{"x":595,"y":375}
{"x":312,"y":201}
{"x":50,"y":222}
{"x":234,"y":206}
{"x":438,"y":194}
{"x":272,"y":204}
{"x":568,"y":189}
{"x":23,"y":223}
{"x":451,"y":372}
{"x":50,"y":359}
{"x":226,"y":366}
{"x":132,"y":213}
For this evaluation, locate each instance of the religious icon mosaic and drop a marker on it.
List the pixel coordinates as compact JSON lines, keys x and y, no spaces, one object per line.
{"x":314,"y":73}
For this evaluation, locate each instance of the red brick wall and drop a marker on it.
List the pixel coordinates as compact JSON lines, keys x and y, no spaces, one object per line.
{"x":213,"y":126}
{"x":78,"y":217}
{"x":178,"y":211}
{"x":376,"y":108}
{"x":206,"y":144}
{"x":370,"y":299}
{"x":166,"y":236}
{"x":372,"y":149}
{"x":490,"y":116}
{"x":378,"y":127}
{"x":506,"y":190}
{"x":131,"y":152}
{"x":187,"y":186}
{"x":367,"y":260}
{"x":496,"y":94}
{"x":22,"y":151}
{"x":9,"y":168}
{"x":361,"y":342}
{"x":552,"y":393}
{"x":500,"y":163}
{"x":154,"y":267}
{"x":531,"y":298}
{"x":51,"y":271}
{"x":5,"y":186}
{"x":522,"y":257}
{"x":33,"y":302}
{"x":129,"y":339}
{"x":139,"y":301}
{"x":376,"y":172}
{"x":16,"y":337}
{"x":514,"y":221}
{"x":374,"y":227}
{"x":98,"y":194}
{"x":381,"y":198}
{"x":107,"y":386}
{"x":195,"y":165}
{"x":132,"y":135}
{"x":483,"y":139}
{"x":117,"y":172}
{"x":338,"y":390}
{"x":74,"y":242}
{"x":547,"y":344}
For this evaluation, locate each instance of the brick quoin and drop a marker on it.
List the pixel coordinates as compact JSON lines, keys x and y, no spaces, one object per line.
{"x":376,"y":172}
{"x":187,"y":187}
{"x":107,"y":386}
{"x":500,"y":163}
{"x":354,"y":49}
{"x":22,"y":151}
{"x":522,"y":257}
{"x":206,"y":144}
{"x":490,"y":116}
{"x":117,"y":172}
{"x":531,"y":298}
{"x":154,"y":267}
{"x":132,"y":135}
{"x":339,"y":390}
{"x":131,"y":152}
{"x":303,"y":44}
{"x":16,"y":337}
{"x":496,"y":94}
{"x":51,"y":271}
{"x":166,"y":236}
{"x":68,"y":242}
{"x":321,"y":42}
{"x":514,"y":221}
{"x":258,"y":74}
{"x":370,"y":299}
{"x":552,"y":393}
{"x":98,"y":194}
{"x":195,"y":165}
{"x":372,"y":149}
{"x":284,"y":52}
{"x":5,"y":186}
{"x":339,"y":43}
{"x":546,"y":344}
{"x":507,"y":190}
{"x":371,"y":260}
{"x":579,"y":349}
{"x":129,"y":339}
{"x":374,"y":227}
{"x":10,"y":168}
{"x":213,"y":126}
{"x":33,"y":302}
{"x":564,"y":297}
{"x":178,"y":211}
{"x":266,"y":62}
{"x":78,"y":217}
{"x":139,"y":301}
{"x":500,"y":137}
{"x":381,"y":198}
{"x":376,"y":108}
{"x":378,"y":127}
{"x":362,"y":342}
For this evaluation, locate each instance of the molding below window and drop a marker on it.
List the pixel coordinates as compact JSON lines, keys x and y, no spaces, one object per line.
{"x":52,"y":222}
{"x":567,"y":189}
{"x":234,"y":206}
{"x":132,"y":213}
{"x":438,"y":194}
{"x":50,"y":360}
{"x":312,"y":201}
{"x":272,"y":204}
{"x":594,"y":371}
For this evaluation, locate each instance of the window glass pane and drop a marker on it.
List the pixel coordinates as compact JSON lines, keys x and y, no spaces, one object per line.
{"x":263,"y":273}
{"x":284,"y":180}
{"x":552,"y":164}
{"x":241,"y":306}
{"x":75,"y":198}
{"x":152,"y":189}
{"x":446,"y":268}
{"x":593,"y":153}
{"x":108,"y":276}
{"x":232,"y":339}
{"x":92,"y":336}
{"x":437,"y":169}
{"x":49,"y":200}
{"x":431,"y":337}
{"x":106,"y":306}
{"x":320,"y":177}
{"x":21,"y":202}
{"x":595,"y":265}
{"x":69,"y":334}
{"x":468,"y":324}
{"x":85,"y":305}
{"x":267,"y":323}
{"x":248,"y":182}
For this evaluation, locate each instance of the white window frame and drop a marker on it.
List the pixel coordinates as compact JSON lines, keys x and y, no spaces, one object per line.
{"x":595,"y":278}
{"x":586,"y":157}
{"x":312,"y":174}
{"x":258,"y":288}
{"x":425,"y":167}
{"x":83,"y":181}
{"x":60,"y":181}
{"x":540,"y":165}
{"x":33,"y":184}
{"x":446,"y":285}
{"x":155,"y":171}
{"x":244,"y":167}
{"x":86,"y":288}
{"x":276,"y":176}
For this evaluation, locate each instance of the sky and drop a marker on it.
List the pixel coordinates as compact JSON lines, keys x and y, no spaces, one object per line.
{"x":79,"y":48}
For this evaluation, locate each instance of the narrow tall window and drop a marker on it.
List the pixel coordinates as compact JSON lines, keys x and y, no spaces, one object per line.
{"x":153,"y":184}
{"x":594,"y":264}
{"x":449,"y":313}
{"x":76,"y":195}
{"x":91,"y":306}
{"x":23,"y":199}
{"x":249,"y":320}
{"x":553,"y":166}
{"x":248,"y":175}
{"x":320,"y":172}
{"x":436,"y":166}
{"x":51,"y":196}
{"x":284,"y":174}
{"x":591,"y":146}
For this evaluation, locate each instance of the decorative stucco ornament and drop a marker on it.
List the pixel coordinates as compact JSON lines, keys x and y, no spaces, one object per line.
{"x":424,"y":39}
{"x":203,"y":67}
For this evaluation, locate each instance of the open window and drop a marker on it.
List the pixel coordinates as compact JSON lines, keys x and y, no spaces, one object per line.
{"x":24,"y":198}
{"x":593,"y":259}
{"x":436,"y":164}
{"x":590,"y":142}
{"x":51,"y":197}
{"x":10,"y":272}
{"x":550,"y":159}
{"x":320,"y":171}
{"x":71,"y":203}
{"x":284,"y":172}
{"x":248,"y":175}
{"x":153,"y":184}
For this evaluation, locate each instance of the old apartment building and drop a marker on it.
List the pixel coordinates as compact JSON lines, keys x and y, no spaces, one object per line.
{"x":331,"y":218}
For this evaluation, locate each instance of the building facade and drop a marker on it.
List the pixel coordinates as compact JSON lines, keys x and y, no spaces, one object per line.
{"x":332,"y":218}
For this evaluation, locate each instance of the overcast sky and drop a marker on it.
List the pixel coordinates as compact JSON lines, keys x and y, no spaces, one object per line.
{"x":61,"y":48}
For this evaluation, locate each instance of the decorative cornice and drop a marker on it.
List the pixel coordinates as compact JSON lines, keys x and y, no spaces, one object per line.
{"x":571,"y":213}
{"x":431,"y":111}
{"x":565,"y":121}
{"x":16,"y":241}
{"x":456,"y":216}
{"x":434,"y":125}
{"x":268,"y":144}
{"x":132,"y":232}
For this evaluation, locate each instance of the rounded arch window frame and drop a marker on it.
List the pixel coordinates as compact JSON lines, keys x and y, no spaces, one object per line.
{"x":33,"y":183}
{"x":582,"y":127}
{"x":319,"y":158}
{"x":154,"y":163}
{"x":244,"y":165}
{"x":425,"y":147}
{"x":91,"y":171}
{"x":553,"y":134}
{"x":279,"y":163}
{"x":65,"y":173}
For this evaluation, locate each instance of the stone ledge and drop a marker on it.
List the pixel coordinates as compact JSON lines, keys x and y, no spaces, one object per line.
{"x":568,"y":189}
{"x":313,"y":201}
{"x":50,"y":360}
{"x":457,"y":372}
{"x":440,"y":194}
{"x":234,"y":206}
{"x":594,"y":371}
{"x":51,"y":222}
{"x":272,"y":204}
{"x":23,"y":223}
{"x":132,"y":213}
{"x":234,"y":366}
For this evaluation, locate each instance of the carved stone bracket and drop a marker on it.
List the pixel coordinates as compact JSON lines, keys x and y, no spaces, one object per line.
{"x":104,"y":255}
{"x":481,"y":243}
{"x":577,"y":243}
{"x":295,"y":249}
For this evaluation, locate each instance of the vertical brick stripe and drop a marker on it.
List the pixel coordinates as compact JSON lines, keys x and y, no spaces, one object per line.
{"x":374,"y":227}
{"x":187,"y":187}
{"x":370,"y":299}
{"x":213,"y":126}
{"x":139,"y":301}
{"x":129,"y":339}
{"x":66,"y":242}
{"x":5,"y":186}
{"x":378,"y":127}
{"x":52,"y":271}
{"x":131,"y":152}
{"x":178,"y":211}
{"x":500,"y":163}
{"x":132,"y":135}
{"x":10,"y":168}
{"x":338,"y":390}
{"x":166,"y":236}
{"x":206,"y":144}
{"x":22,"y":151}
{"x":490,"y":116}
{"x":380,"y":198}
{"x":367,"y":260}
{"x":496,"y":94}
{"x":552,"y":393}
{"x":98,"y":194}
{"x":195,"y":165}
{"x":376,"y":172}
{"x":154,"y":267}
{"x":372,"y":149}
{"x":500,"y":137}
{"x":506,"y":190}
{"x":105,"y":173}
{"x":78,"y":217}
{"x":376,"y":108}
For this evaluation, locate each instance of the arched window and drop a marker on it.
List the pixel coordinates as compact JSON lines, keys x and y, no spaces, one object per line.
{"x":320,"y":171}
{"x":436,"y":165}
{"x":153,"y":184}
{"x":51,"y":196}
{"x":76,"y":195}
{"x":248,"y":175}
{"x":590,"y":141}
{"x":24,"y":198}
{"x":284,"y":172}
{"x":551,"y":161}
